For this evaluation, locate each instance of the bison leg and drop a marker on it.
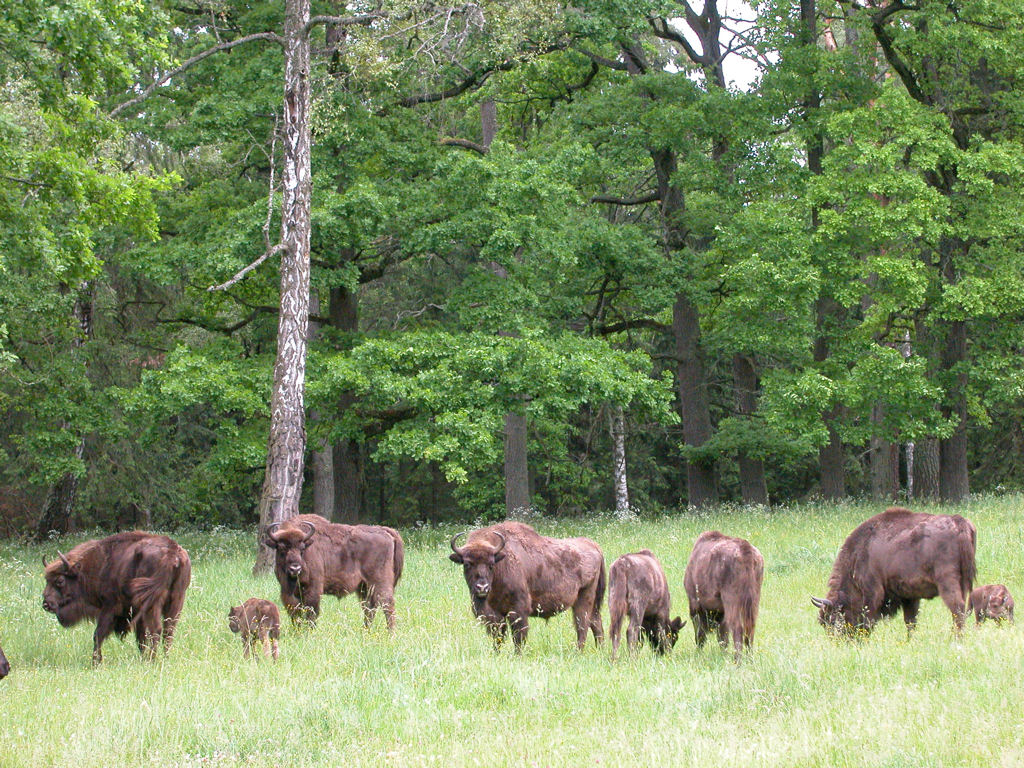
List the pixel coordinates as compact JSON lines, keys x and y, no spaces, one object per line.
{"x":246,"y":644}
{"x":910,"y":609}
{"x":147,"y":633}
{"x":701,"y":625}
{"x":104,"y":625}
{"x":617,"y":614}
{"x":581,"y":617}
{"x":520,"y":628}
{"x":954,"y":600}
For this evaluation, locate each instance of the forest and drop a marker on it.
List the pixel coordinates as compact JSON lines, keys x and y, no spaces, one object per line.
{"x":614,"y":255}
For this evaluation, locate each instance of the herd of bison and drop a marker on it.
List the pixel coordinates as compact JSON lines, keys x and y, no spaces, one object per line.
{"x":136,"y":582}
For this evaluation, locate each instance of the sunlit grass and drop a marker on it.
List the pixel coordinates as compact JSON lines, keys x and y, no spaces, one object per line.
{"x":436,"y":694}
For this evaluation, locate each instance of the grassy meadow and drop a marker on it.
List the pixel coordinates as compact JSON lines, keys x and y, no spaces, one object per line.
{"x":436,"y":694}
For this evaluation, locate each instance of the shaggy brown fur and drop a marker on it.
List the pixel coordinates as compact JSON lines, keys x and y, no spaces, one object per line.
{"x":723,"y":584}
{"x":315,"y":557}
{"x":5,"y":668}
{"x":637,"y":586}
{"x":128,"y":581}
{"x":513,"y":573}
{"x":256,"y":619}
{"x":895,"y":560}
{"x":993,"y":601}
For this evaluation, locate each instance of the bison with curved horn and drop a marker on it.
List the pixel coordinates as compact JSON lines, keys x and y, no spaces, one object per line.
{"x":513,"y":573}
{"x":895,"y":560}
{"x":314,"y":556}
{"x":128,"y":581}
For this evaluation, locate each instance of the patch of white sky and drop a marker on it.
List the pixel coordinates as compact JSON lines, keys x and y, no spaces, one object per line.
{"x":743,"y":63}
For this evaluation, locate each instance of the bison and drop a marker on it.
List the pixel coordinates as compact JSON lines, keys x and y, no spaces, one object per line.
{"x":993,"y":601}
{"x":316,"y":557}
{"x":637,"y":586}
{"x":5,"y":668}
{"x":513,"y":573}
{"x":895,"y":560}
{"x":256,"y":619}
{"x":128,"y":581}
{"x":723,"y":585}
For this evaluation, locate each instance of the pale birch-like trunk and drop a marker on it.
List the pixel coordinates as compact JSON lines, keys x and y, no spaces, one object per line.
{"x":282,"y":485}
{"x":617,"y":430}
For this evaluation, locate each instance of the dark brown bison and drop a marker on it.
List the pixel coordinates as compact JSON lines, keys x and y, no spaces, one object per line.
{"x":5,"y":668}
{"x":316,"y":557}
{"x":723,"y":584}
{"x":513,"y":573}
{"x":993,"y":601}
{"x":895,"y":560}
{"x":637,"y":586}
{"x":256,"y":620}
{"x":128,"y":581}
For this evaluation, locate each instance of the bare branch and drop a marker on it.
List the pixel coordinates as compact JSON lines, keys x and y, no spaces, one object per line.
{"x":650,"y":197}
{"x":148,"y":91}
{"x":246,"y":270}
{"x":604,"y":62}
{"x":465,"y":144}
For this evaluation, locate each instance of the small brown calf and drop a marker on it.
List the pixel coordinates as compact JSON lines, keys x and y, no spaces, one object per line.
{"x":256,"y":619}
{"x":992,"y":601}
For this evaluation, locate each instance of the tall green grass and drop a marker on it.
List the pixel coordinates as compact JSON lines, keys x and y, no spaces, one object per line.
{"x":436,"y":694}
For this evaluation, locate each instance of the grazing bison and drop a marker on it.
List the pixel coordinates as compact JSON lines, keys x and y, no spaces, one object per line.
{"x":637,"y":586}
{"x":128,"y":581}
{"x":256,"y":619}
{"x":723,"y":585}
{"x":316,"y":557}
{"x":513,"y":573}
{"x":993,"y":601}
{"x":895,"y":560}
{"x":5,"y":668}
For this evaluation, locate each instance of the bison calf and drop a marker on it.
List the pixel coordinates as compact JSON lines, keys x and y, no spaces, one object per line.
{"x":993,"y":601}
{"x":637,"y":586}
{"x":256,"y":619}
{"x":723,"y":584}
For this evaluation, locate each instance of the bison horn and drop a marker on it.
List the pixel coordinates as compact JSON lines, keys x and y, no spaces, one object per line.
{"x":44,"y":560}
{"x":312,"y":530}
{"x":455,"y":538}
{"x":822,"y":602}
{"x":503,"y":542}
{"x":64,"y":560}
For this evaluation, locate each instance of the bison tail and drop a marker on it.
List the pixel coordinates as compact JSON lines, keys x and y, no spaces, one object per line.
{"x":968,"y":568}
{"x":602,"y":581}
{"x":399,"y":555}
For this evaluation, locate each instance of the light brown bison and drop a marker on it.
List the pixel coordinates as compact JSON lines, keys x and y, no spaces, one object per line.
{"x":895,"y":560}
{"x":637,"y":586}
{"x":993,"y":601}
{"x":513,"y":573}
{"x":5,"y":668}
{"x":723,"y":584}
{"x":128,"y":581}
{"x":256,"y":620}
{"x":315,"y":557}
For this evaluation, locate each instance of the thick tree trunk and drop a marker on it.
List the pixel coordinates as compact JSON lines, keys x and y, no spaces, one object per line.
{"x":885,"y":463}
{"x":517,"y":475}
{"x":926,"y":468}
{"x":617,"y":431}
{"x":953,"y":481}
{"x":701,"y":476}
{"x":286,"y":446}
{"x":60,"y":499}
{"x":347,"y":506}
{"x":753,"y":488}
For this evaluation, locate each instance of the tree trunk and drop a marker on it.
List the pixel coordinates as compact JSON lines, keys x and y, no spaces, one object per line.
{"x":832,"y":455}
{"x":517,"y":475}
{"x":701,"y":477}
{"x":321,"y":459}
{"x":60,"y":499}
{"x":953,"y":481}
{"x":347,"y":506}
{"x":926,"y":468}
{"x":884,"y":460}
{"x":753,"y":488}
{"x":286,"y":445}
{"x":617,"y":430}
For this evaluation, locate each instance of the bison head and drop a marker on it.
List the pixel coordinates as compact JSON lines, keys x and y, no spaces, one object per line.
{"x":290,"y":545}
{"x":478,"y":560}
{"x":837,"y":615}
{"x":62,"y":594}
{"x":236,"y":617}
{"x":650,"y":630}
